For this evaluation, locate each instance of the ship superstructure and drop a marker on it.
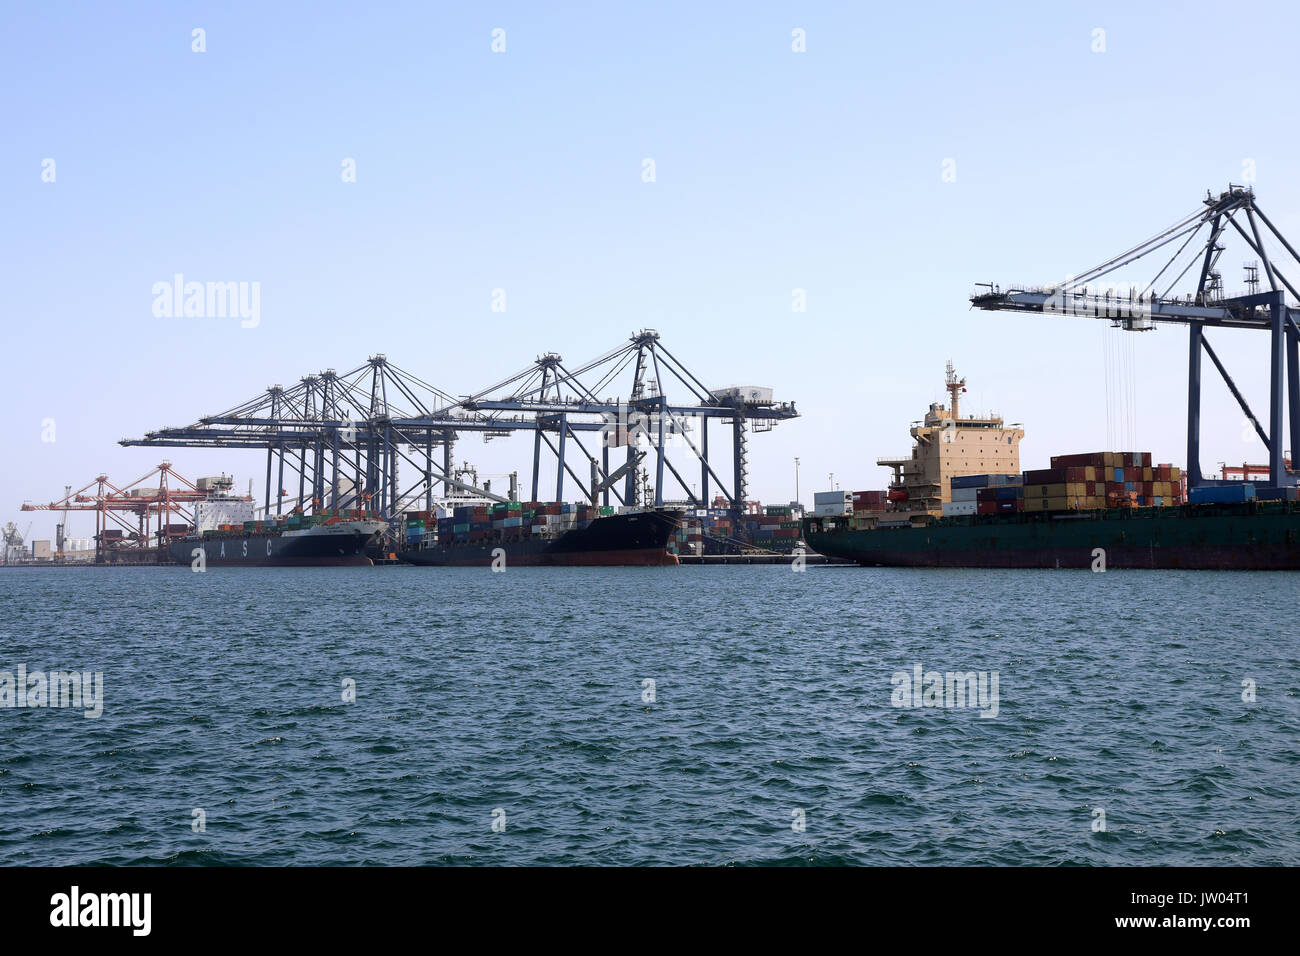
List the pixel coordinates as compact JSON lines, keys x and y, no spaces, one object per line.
{"x":948,"y":446}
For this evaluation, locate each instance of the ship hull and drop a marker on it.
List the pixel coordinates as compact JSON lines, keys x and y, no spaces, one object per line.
{"x":626,"y":540}
{"x":254,"y":550}
{"x":1243,"y":538}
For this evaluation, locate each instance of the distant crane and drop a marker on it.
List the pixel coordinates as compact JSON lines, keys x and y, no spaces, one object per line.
{"x":61,"y":529}
{"x":14,"y":540}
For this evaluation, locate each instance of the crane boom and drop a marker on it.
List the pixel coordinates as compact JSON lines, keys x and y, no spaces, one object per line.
{"x":1140,"y":306}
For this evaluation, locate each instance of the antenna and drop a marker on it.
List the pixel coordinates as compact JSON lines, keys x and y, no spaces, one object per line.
{"x":954,"y":386}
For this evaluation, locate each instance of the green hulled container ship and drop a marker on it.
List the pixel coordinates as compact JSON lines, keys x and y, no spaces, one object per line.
{"x":1255,"y":535}
{"x":960,"y":500}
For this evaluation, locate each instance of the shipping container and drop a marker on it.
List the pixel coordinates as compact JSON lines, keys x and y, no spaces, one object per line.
{"x":1277,"y":494}
{"x":832,"y":497}
{"x":1221,"y":494}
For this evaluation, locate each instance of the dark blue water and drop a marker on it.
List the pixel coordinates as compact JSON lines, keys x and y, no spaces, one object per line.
{"x":523,"y":692}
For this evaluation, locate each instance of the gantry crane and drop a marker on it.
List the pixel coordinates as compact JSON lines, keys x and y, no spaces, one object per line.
{"x":366,"y":422}
{"x":1142,"y":305}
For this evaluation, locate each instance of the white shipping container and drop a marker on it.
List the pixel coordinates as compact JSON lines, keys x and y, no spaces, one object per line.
{"x":965,"y":494}
{"x":951,"y":508}
{"x":834,"y":510}
{"x":829,"y":497}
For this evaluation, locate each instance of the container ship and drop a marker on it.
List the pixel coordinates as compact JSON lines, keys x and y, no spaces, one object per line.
{"x":226,"y":532}
{"x":960,"y":500}
{"x":477,"y":533}
{"x":322,"y":540}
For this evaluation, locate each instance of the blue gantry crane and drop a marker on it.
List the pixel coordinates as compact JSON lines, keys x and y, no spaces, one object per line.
{"x":1196,"y":241}
{"x":346,"y":435}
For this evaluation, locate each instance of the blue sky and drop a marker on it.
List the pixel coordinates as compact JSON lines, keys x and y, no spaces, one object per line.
{"x":522,"y":170}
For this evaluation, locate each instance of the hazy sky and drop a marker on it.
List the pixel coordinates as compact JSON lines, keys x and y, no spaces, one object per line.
{"x":522,"y":170}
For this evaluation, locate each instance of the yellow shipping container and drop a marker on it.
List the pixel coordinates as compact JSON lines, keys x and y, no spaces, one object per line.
{"x":1047,"y":504}
{"x":1065,"y":503}
{"x":1059,"y":490}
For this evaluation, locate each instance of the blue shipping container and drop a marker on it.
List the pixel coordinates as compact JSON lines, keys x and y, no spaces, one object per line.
{"x":1221,"y":494}
{"x":1277,"y":494}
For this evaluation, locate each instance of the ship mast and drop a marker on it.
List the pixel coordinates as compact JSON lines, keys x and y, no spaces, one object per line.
{"x":955,"y":387}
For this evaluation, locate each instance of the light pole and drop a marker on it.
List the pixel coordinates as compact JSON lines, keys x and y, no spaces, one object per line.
{"x":796,"y":479}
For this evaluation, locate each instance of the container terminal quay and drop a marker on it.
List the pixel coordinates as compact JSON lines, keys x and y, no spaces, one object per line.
{"x":360,"y":466}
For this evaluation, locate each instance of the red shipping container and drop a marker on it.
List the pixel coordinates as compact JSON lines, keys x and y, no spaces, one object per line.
{"x":986,"y":507}
{"x":1046,"y":476}
{"x":1095,"y":459}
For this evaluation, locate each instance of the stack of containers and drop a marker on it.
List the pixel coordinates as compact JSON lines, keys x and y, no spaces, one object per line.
{"x":763,"y":525}
{"x":1001,"y":499}
{"x":507,"y":519}
{"x":415,"y":527}
{"x":1094,"y":480}
{"x":778,"y":527}
{"x":869,"y":502}
{"x":717,"y":523}
{"x":832,"y":504}
{"x":470,"y":523}
{"x":966,"y":494}
{"x":689,"y":537}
